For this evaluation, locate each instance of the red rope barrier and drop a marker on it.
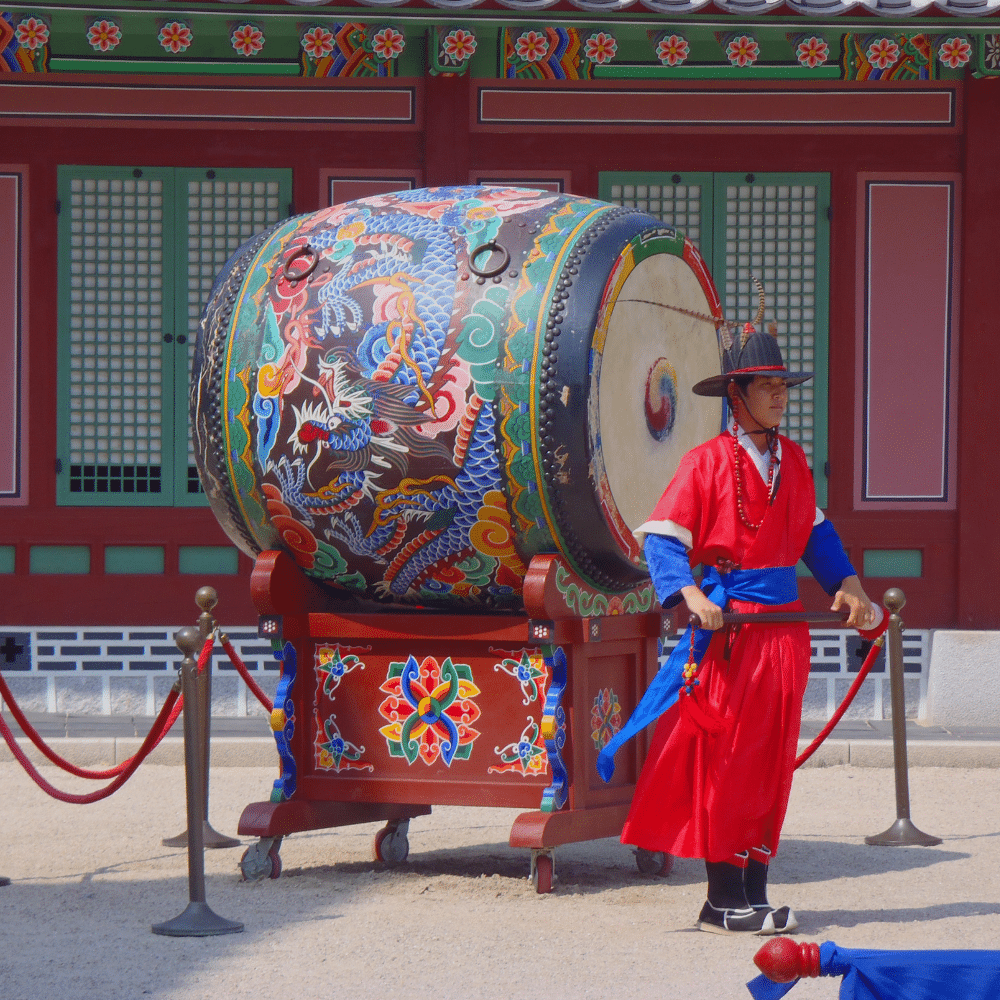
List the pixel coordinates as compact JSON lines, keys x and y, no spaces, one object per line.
{"x":234,"y":658}
{"x":161,"y":726}
{"x":128,"y":768}
{"x":844,"y":705}
{"x":101,"y":793}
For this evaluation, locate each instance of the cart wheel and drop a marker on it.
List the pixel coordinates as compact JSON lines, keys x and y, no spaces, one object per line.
{"x":653,"y":863}
{"x":261,"y":860}
{"x":255,"y":864}
{"x":542,"y":874}
{"x":275,"y":859}
{"x":392,"y":847}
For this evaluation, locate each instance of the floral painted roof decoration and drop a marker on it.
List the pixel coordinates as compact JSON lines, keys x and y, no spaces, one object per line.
{"x":532,"y":41}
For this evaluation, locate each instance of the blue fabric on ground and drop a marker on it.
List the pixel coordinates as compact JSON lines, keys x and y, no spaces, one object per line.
{"x":762,"y":988}
{"x":762,"y":586}
{"x":826,"y":559}
{"x":900,"y":975}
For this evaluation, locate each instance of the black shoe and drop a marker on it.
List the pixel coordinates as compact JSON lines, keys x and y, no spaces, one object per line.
{"x":745,"y":920}
{"x":783,"y":917}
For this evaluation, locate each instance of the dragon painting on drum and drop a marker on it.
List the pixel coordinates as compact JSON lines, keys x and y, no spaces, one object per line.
{"x":415,"y":393}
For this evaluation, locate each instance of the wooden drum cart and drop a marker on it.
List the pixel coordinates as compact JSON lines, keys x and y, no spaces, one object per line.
{"x":381,"y":716}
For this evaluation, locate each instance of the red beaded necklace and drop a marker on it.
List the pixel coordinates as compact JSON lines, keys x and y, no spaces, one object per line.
{"x":772,"y":463}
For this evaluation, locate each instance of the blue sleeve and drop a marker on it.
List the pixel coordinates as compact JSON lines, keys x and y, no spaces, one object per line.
{"x":668,"y":565}
{"x":826,"y":559}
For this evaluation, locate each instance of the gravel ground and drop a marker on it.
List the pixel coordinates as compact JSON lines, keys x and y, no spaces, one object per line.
{"x":460,"y":919}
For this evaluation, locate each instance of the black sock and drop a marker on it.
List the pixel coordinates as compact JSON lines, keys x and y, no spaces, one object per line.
{"x":755,"y":883}
{"x":725,"y":885}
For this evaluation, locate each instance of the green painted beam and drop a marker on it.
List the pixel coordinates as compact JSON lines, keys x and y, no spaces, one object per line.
{"x":208,"y":559}
{"x":192,"y":67}
{"x":59,"y":559}
{"x":145,"y":559}
{"x":715,"y":72}
{"x":893,"y":562}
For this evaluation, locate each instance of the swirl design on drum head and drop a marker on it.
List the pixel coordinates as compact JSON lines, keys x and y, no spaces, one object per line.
{"x":661,"y":399}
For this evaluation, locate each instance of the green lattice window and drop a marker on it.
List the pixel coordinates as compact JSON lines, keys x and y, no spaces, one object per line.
{"x":139,"y":250}
{"x":682,"y":201}
{"x":773,"y":226}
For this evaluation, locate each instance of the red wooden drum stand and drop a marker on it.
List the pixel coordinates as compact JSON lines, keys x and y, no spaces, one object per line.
{"x":381,"y":715}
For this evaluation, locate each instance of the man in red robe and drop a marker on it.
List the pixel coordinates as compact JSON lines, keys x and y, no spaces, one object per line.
{"x":716,"y":781}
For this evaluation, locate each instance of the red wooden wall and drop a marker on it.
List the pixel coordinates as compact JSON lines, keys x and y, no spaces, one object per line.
{"x":959,"y":547}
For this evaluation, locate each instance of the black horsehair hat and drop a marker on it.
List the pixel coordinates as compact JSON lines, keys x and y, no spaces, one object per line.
{"x":756,"y":353}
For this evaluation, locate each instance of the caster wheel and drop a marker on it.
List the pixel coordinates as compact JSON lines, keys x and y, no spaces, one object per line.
{"x":392,"y":847}
{"x":275,"y":859}
{"x":541,"y":877}
{"x":653,"y":863}
{"x":261,"y":861}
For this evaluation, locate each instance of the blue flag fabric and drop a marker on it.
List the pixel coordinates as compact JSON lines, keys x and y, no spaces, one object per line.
{"x":900,"y":975}
{"x":776,"y":585}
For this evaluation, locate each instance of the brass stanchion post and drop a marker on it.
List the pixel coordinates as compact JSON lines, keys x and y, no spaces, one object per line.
{"x":198,"y":920}
{"x":902,"y":832}
{"x":206,"y":598}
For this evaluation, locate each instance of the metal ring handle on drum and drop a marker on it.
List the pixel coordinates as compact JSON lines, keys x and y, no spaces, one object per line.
{"x":307,"y":270}
{"x":493,"y":247}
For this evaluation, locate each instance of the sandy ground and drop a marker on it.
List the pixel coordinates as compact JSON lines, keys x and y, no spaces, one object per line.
{"x":460,"y":919}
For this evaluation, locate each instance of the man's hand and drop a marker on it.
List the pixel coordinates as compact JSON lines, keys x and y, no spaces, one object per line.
{"x":698,"y":604}
{"x":852,"y":596}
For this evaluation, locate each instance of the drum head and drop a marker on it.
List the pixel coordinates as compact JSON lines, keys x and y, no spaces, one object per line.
{"x":654,"y":340}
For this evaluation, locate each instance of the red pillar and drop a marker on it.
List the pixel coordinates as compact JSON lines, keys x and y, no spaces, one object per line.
{"x":446,"y":130}
{"x":979,"y":352}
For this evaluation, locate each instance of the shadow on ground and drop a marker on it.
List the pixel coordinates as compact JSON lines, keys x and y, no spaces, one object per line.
{"x":603,"y":865}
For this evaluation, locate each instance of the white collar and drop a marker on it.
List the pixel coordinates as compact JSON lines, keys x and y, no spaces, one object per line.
{"x":760,"y":461}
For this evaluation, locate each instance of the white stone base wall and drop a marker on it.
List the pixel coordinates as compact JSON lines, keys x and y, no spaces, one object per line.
{"x":835,"y":665}
{"x":115,"y":671}
{"x":963,"y":686}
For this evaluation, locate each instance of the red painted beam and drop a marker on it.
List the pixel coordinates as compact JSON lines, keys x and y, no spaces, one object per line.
{"x":978,"y":550}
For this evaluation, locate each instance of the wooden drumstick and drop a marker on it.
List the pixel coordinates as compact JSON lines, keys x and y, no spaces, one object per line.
{"x":775,"y":617}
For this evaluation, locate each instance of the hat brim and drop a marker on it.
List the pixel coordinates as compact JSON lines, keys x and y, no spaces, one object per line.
{"x":717,"y":385}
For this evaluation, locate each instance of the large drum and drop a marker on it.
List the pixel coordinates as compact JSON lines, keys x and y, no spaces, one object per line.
{"x":415,"y":393}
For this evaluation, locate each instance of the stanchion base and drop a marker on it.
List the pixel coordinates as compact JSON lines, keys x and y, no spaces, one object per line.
{"x":213,"y":839}
{"x":198,"y":920}
{"x":903,"y":833}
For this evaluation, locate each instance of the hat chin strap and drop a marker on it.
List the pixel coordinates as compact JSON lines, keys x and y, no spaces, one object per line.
{"x":770,"y":433}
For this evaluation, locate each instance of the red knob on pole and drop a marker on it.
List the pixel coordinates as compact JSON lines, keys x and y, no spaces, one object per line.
{"x":782,"y":960}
